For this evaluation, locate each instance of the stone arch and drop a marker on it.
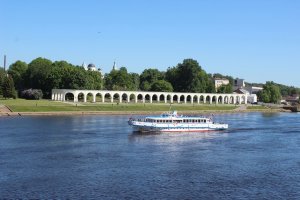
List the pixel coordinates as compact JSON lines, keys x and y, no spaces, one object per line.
{"x":168,"y":98}
{"x":226,"y":100}
{"x":175,"y":98}
{"x":89,"y":97}
{"x":162,"y":98}
{"x":220,"y":99}
{"x":231,"y":100}
{"x":140,"y":97}
{"x":69,"y":96}
{"x":99,"y":97}
{"x":207,"y":99}
{"x":243,"y":99}
{"x":147,"y":97}
{"x":107,"y":97}
{"x":189,"y":98}
{"x":116,"y":97}
{"x":155,"y":98}
{"x":80,"y":97}
{"x":237,"y":100}
{"x":132,"y":97}
{"x":182,"y":98}
{"x":214,"y":99}
{"x":201,"y":99}
{"x":195,"y":99}
{"x":124,"y":97}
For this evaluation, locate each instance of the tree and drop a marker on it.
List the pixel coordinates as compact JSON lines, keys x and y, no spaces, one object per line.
{"x":188,"y":76}
{"x":148,"y":77}
{"x":135,"y":78}
{"x":8,"y":88}
{"x":37,"y":74}
{"x":17,"y":71}
{"x":161,"y":86}
{"x":119,"y":80}
{"x":32,"y":94}
{"x":270,"y":93}
{"x":225,"y":89}
{"x":2,"y":76}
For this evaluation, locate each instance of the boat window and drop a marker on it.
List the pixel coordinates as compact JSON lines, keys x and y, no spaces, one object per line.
{"x":204,"y":121}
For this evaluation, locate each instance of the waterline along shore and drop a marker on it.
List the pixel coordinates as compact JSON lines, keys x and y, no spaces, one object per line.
{"x":21,"y":107}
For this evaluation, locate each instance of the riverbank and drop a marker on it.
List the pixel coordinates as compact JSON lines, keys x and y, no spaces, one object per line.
{"x":21,"y":107}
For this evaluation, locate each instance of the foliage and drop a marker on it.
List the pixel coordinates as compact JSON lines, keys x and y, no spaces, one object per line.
{"x":189,"y":77}
{"x":162,"y":86}
{"x":2,"y":76}
{"x":119,"y":80}
{"x":8,"y":88}
{"x":225,"y":89}
{"x":37,"y":75}
{"x":33,"y":94}
{"x":270,"y":93}
{"x":148,"y":77}
{"x":66,"y":75}
{"x":135,"y":78}
{"x":17,"y":71}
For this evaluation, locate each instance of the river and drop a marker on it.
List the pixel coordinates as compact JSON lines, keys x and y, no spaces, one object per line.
{"x":99,"y":157}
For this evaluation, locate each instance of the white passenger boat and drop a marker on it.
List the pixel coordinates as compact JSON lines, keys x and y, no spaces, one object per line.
{"x":172,"y":122}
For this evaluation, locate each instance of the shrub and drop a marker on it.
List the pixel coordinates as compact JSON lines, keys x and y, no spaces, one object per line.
{"x":32,"y":94}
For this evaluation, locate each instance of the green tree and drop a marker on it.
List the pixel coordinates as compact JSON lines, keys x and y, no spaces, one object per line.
{"x":135,"y":78}
{"x":8,"y":88}
{"x":17,"y":71}
{"x":37,"y":74}
{"x":119,"y":80}
{"x":161,"y":86}
{"x":2,"y":76}
{"x":148,"y":77}
{"x":225,"y":89}
{"x":188,"y":76}
{"x":270,"y":93}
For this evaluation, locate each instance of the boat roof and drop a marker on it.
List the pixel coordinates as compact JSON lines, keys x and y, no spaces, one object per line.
{"x":174,"y":115}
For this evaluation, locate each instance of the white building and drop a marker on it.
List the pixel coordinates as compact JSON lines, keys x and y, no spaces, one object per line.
{"x":220,"y":81}
{"x":251,"y":98}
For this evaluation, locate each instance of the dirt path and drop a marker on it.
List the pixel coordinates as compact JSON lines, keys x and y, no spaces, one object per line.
{"x":241,"y":108}
{"x":4,"y":110}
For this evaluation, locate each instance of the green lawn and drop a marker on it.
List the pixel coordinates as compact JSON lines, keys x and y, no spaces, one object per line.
{"x":22,"y":105}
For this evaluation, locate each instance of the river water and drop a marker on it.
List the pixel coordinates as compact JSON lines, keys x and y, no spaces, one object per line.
{"x":99,"y":157}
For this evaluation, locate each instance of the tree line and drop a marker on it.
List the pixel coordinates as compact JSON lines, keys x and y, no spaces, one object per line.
{"x":41,"y":75}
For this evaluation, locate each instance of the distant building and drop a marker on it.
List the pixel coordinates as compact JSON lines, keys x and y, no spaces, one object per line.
{"x":115,"y":66}
{"x":253,"y":89}
{"x":238,"y":83}
{"x":220,"y":81}
{"x":91,"y":67}
{"x":251,"y":98}
{"x":292,"y":99}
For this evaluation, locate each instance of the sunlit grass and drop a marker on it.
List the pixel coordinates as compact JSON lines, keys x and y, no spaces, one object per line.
{"x":22,"y":105}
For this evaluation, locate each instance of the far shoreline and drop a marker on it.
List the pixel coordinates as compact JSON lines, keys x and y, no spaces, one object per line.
{"x":78,"y":113}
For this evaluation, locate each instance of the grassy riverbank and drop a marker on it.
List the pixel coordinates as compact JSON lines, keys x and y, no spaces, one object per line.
{"x":48,"y":106}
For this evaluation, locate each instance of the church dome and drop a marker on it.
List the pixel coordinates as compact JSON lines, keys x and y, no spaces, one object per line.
{"x":91,"y":66}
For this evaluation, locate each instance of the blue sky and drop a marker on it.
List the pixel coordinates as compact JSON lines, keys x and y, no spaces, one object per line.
{"x":255,"y":40}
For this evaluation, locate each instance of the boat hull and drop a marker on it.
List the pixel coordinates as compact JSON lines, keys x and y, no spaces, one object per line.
{"x":179,"y":128}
